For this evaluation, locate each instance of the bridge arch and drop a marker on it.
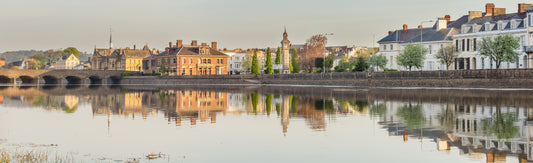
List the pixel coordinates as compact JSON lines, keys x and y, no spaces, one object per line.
{"x":27,"y":80}
{"x":114,"y":80}
{"x":73,"y":80}
{"x":5,"y":80}
{"x":48,"y":79}
{"x":95,"y":80}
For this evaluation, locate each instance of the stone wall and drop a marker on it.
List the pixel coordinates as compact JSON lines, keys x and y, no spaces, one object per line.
{"x":509,"y":78}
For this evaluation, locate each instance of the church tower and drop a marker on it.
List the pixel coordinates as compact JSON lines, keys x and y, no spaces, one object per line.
{"x":285,"y":56}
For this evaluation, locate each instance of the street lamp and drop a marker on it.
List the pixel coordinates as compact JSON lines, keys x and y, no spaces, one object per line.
{"x":324,"y":61}
{"x":421,"y":34}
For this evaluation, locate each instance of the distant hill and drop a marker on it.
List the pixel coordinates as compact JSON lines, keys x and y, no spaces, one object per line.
{"x":11,"y":56}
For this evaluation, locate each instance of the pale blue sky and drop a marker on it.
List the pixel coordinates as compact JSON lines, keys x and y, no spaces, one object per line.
{"x":54,"y":24}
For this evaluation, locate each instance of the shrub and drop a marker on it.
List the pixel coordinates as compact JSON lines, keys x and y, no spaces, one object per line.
{"x":157,"y":74}
{"x":125,"y":73}
{"x":389,"y":69}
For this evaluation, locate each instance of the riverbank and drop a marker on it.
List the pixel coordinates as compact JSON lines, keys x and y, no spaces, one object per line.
{"x":509,"y":78}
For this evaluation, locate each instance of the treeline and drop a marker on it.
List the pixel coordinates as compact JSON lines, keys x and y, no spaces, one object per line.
{"x":18,"y":55}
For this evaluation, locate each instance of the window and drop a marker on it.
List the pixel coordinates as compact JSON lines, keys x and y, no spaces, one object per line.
{"x":230,"y":66}
{"x":204,"y":61}
{"x":190,"y":71}
{"x":391,"y":47}
{"x":209,"y":61}
{"x":221,"y":61}
{"x":183,"y":72}
{"x":184,"y":60}
{"x":456,"y":45}
{"x":474,"y":44}
{"x":430,"y":48}
{"x":384,"y":47}
{"x":463,"y":49}
{"x":190,"y":60}
{"x":467,"y":44}
{"x":529,"y":20}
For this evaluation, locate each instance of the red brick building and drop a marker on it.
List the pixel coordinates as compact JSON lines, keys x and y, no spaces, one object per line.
{"x":190,"y":59}
{"x":2,"y":62}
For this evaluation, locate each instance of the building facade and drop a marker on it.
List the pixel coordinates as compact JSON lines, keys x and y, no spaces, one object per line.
{"x":491,"y":23}
{"x":67,"y":62}
{"x":120,"y":59}
{"x":190,"y":59}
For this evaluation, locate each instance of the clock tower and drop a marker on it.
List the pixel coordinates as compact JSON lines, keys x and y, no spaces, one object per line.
{"x":285,"y":56}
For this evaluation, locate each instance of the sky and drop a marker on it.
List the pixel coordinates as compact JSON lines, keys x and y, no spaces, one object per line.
{"x":84,"y":24}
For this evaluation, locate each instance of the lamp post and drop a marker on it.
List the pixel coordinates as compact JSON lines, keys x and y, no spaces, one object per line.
{"x":324,"y":57}
{"x":421,"y":34}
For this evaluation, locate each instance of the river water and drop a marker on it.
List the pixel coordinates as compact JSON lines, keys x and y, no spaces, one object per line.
{"x":263,"y":124}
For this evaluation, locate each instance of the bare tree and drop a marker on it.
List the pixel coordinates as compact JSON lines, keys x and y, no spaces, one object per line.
{"x":447,"y":56}
{"x":315,"y":47}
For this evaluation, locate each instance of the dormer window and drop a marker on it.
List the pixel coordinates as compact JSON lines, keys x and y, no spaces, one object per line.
{"x":204,"y":51}
{"x":487,"y":26}
{"x":500,"y":25}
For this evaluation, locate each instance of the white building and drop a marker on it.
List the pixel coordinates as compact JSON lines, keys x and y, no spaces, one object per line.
{"x":433,"y":38}
{"x":67,"y":62}
{"x":236,"y":61}
{"x":492,"y":23}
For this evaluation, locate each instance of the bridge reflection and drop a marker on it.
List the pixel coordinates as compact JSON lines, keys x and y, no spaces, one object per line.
{"x":63,"y":77}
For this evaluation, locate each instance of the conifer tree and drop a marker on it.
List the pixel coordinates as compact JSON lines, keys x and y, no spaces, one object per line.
{"x":278,"y":59}
{"x":295,"y":61}
{"x":255,"y":64}
{"x":268,"y":63}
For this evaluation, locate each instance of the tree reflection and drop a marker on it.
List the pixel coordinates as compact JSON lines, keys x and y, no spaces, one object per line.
{"x":413,"y":116}
{"x":379,"y":110}
{"x":326,"y":105}
{"x":501,"y":125}
{"x":294,"y":105}
{"x":255,"y":100}
{"x":268,"y":102}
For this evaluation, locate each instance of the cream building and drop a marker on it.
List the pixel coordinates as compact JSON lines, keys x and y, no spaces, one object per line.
{"x":67,"y":62}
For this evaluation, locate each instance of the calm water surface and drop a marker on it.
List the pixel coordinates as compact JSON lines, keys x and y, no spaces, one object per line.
{"x":265,"y":124}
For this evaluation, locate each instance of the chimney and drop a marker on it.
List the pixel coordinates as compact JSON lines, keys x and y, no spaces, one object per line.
{"x":134,"y":47}
{"x":522,"y":7}
{"x":214,"y":45}
{"x":420,"y":27}
{"x":194,"y":43}
{"x":498,"y":11}
{"x":442,"y":23}
{"x":204,"y":44}
{"x":169,"y":44}
{"x":405,"y":28}
{"x":474,"y":14}
{"x":489,"y":9}
{"x":390,"y":32}
{"x":179,"y":43}
{"x":448,"y":18}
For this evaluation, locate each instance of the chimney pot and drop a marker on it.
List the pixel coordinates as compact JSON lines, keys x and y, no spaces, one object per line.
{"x":204,"y":44}
{"x":169,"y":44}
{"x":522,"y":7}
{"x":179,"y":43}
{"x":390,"y":32}
{"x":420,"y":27}
{"x":405,"y":28}
{"x":214,"y":45}
{"x":489,"y":9}
{"x":194,"y":43}
{"x":448,"y":18}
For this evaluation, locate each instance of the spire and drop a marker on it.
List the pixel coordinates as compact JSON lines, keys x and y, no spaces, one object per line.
{"x":110,"y":38}
{"x":285,"y":35}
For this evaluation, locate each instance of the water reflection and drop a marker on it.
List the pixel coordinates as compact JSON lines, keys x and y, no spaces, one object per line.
{"x":477,"y":125}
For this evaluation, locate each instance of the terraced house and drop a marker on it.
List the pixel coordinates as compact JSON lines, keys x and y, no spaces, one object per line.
{"x":190,"y":59}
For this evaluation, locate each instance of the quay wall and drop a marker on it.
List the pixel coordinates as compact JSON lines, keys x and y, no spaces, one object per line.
{"x":508,"y":78}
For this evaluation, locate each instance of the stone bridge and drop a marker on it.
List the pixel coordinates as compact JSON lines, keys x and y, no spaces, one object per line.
{"x":62,"y":77}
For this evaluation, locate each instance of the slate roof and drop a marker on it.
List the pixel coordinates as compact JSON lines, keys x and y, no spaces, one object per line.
{"x":192,"y":50}
{"x":432,"y":35}
{"x":401,"y":36}
{"x":490,"y":23}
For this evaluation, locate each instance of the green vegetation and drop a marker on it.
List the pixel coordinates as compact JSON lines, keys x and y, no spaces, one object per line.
{"x":447,"y":56}
{"x":15,"y":68}
{"x":412,"y":56}
{"x":329,"y":62}
{"x":162,"y":69}
{"x":125,"y":73}
{"x":255,"y":64}
{"x":362,"y":64}
{"x":295,"y":61}
{"x":73,"y":51}
{"x":387,"y":69}
{"x":295,"y":102}
{"x":379,"y":61}
{"x":268,"y":102}
{"x":412,"y":115}
{"x":501,"y":125}
{"x":255,"y":100}
{"x":268,"y":62}
{"x":157,"y":74}
{"x":501,"y":49}
{"x":319,"y":62}
{"x":278,"y":60}
{"x":344,"y":65}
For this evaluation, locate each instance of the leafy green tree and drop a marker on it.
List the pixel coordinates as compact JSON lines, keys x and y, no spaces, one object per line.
{"x":412,"y":56}
{"x":379,"y":61}
{"x":52,"y":56}
{"x":295,"y":59}
{"x":73,"y":51}
{"x":329,"y":62}
{"x":501,"y":49}
{"x":268,"y":63}
{"x":344,"y":65}
{"x":278,"y":60}
{"x":447,"y":56}
{"x":362,"y":64}
{"x":162,"y":69}
{"x":40,"y":60}
{"x":255,"y":64}
{"x":319,"y":62}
